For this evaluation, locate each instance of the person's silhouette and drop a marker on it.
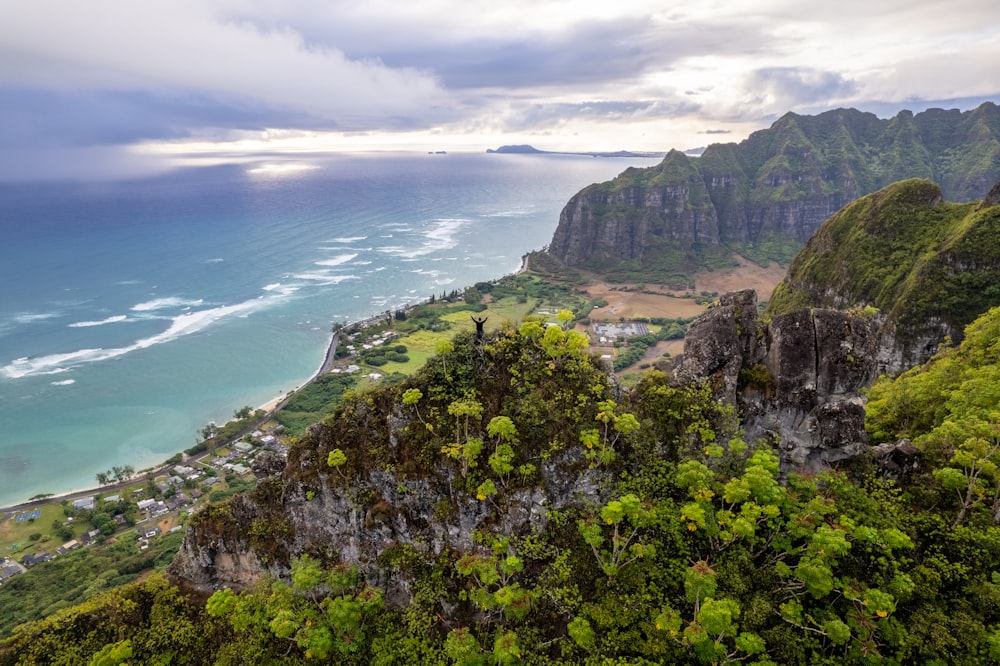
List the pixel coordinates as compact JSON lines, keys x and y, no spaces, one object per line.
{"x":479,"y":326}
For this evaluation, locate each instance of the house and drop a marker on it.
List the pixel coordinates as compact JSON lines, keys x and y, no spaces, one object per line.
{"x":119,"y":519}
{"x":37,"y":558}
{"x":240,"y":469}
{"x":163,"y":486}
{"x":183,"y":470}
{"x":91,"y":536}
{"x":176,"y":481}
{"x":68,"y":546}
{"x":84,"y":503}
{"x":243,"y":447}
{"x":8,"y":571}
{"x":268,"y":440}
{"x":622,"y":331}
{"x":146,"y":504}
{"x":152,"y":533}
{"x":210,"y":481}
{"x":160,"y":508}
{"x":114,"y":499}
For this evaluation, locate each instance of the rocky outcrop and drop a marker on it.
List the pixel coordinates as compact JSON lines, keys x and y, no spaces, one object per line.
{"x":767,"y":195}
{"x":925,"y":268}
{"x":795,"y":379}
{"x":362,"y":522}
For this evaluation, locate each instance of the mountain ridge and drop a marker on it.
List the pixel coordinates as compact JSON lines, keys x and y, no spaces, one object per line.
{"x":765,"y":196}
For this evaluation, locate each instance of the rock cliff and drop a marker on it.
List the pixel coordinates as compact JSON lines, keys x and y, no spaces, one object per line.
{"x":795,"y":380}
{"x":767,"y":195}
{"x":410,"y":490}
{"x":928,"y":267}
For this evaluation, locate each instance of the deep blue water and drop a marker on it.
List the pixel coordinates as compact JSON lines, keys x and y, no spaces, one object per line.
{"x":133,"y":313}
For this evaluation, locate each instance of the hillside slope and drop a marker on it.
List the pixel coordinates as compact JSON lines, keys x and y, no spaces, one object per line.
{"x":929,"y":267}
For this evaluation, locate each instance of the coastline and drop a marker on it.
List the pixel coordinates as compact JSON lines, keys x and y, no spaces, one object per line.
{"x":269,"y":407}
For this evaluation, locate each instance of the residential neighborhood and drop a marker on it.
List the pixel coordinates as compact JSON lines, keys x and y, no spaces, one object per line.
{"x":144,"y":510}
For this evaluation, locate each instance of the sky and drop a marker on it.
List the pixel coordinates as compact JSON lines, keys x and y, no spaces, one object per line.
{"x":118,"y":87}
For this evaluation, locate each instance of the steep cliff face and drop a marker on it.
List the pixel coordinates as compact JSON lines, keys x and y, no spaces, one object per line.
{"x":485,"y":439}
{"x":767,"y":195}
{"x":795,"y":380}
{"x":928,"y":267}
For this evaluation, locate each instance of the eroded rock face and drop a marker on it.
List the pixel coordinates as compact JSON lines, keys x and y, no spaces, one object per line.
{"x":362,"y":521}
{"x":795,"y":380}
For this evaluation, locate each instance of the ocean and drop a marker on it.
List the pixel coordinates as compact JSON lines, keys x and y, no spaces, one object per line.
{"x":133,"y":313}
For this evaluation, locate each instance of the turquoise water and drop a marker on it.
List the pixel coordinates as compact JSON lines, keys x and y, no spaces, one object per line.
{"x":133,"y":313}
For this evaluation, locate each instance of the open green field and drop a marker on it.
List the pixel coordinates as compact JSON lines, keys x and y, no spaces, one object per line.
{"x":15,"y":537}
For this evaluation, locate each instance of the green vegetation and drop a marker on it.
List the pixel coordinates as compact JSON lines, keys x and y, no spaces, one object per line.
{"x":639,"y":345}
{"x":80,"y":575}
{"x":313,"y":402}
{"x":699,"y":550}
{"x":904,"y":251}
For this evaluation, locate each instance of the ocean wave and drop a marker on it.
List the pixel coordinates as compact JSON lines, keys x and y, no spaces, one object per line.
{"x":180,"y":326}
{"x":163,"y":303}
{"x":507,"y":213}
{"x":440,"y":236}
{"x":347,"y":239}
{"x":336,"y":261}
{"x":64,"y":382}
{"x":323,"y":278}
{"x":31,"y":317}
{"x":282,"y":288}
{"x":109,"y":320}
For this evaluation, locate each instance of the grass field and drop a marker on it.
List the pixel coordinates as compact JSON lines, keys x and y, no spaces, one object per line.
{"x":14,"y":536}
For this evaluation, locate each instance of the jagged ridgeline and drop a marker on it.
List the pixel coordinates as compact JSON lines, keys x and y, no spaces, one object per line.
{"x":930,"y":267}
{"x":764,"y":197}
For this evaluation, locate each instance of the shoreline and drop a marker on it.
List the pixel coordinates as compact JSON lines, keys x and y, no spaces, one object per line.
{"x":269,"y":407}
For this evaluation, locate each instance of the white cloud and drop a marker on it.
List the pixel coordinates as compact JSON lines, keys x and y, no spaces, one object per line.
{"x":570,"y":74}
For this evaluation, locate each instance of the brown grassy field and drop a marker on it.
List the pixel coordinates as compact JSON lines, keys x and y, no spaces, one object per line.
{"x":666,"y":303}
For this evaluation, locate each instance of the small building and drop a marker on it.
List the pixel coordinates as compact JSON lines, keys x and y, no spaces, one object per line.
{"x":210,"y":481}
{"x":8,"y":571}
{"x":146,"y":504}
{"x":39,"y":557}
{"x":176,"y":481}
{"x":84,"y":503}
{"x":268,"y":440}
{"x":152,"y":533}
{"x":163,"y":486}
{"x":91,"y":536}
{"x":68,"y":546}
{"x":114,"y":499}
{"x":622,"y":331}
{"x":241,"y":470}
{"x":243,"y":447}
{"x":183,"y":470}
{"x":119,"y":519}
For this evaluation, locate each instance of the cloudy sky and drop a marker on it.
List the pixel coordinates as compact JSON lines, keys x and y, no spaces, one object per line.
{"x":115,"y":86}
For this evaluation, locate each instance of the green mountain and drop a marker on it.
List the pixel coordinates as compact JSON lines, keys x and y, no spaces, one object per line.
{"x":765,"y":196}
{"x":929,"y":267}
